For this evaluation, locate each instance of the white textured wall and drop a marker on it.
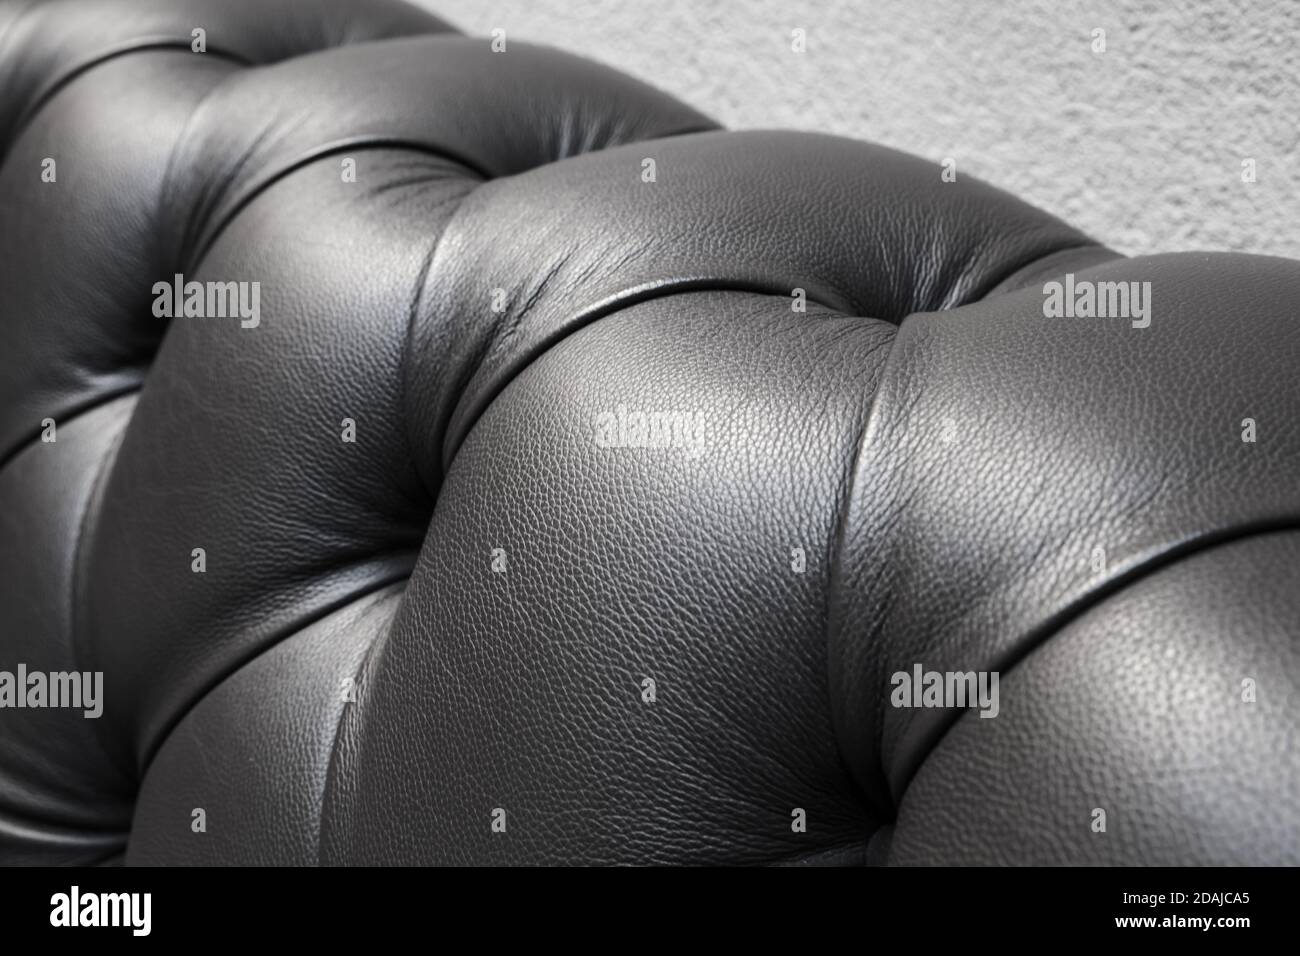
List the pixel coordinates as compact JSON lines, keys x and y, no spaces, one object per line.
{"x":1140,"y":146}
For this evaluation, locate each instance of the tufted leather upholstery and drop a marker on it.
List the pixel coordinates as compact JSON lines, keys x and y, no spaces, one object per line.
{"x":460,"y":612}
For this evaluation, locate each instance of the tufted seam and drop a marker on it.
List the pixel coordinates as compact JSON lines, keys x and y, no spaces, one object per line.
{"x":1052,"y":626}
{"x":254,"y":651}
{"x":844,"y":507}
{"x":430,"y":484}
{"x":84,"y":520}
{"x":52,"y":88}
{"x":210,"y":232}
{"x":596,"y":312}
{"x":375,"y":646}
{"x":76,"y":411}
{"x":845,"y":510}
{"x":85,"y":528}
{"x":1016,"y":278}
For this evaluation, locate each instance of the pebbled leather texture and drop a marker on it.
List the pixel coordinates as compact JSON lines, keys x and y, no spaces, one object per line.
{"x":673,"y":446}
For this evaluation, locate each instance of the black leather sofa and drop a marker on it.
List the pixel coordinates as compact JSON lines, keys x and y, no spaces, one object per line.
{"x":448,"y":454}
